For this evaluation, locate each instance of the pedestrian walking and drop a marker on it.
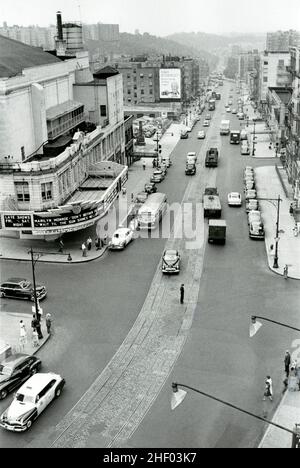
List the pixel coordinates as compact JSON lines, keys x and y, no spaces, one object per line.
{"x":123,"y":191}
{"x":83,"y":249}
{"x":105,"y":239}
{"x":268,"y":389}
{"x":98,"y":243}
{"x":287,"y":363}
{"x":23,"y":335}
{"x":182,"y":294}
{"x":291,"y":209}
{"x":144,"y":164}
{"x":285,"y":272}
{"x":35,"y":338}
{"x":48,"y":323}
{"x":61,"y":245}
{"x":89,"y":243}
{"x":36,"y":324}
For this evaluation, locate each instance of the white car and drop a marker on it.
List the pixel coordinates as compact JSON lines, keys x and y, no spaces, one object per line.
{"x":245,"y":149}
{"x":206,"y":123}
{"x":234,"y":199}
{"x":201,"y":135}
{"x":250,"y":194}
{"x":252,"y":204}
{"x":254,"y":216}
{"x":244,"y":134}
{"x":228,"y":109}
{"x":121,"y":237}
{"x":234,"y":111}
{"x":30,"y":400}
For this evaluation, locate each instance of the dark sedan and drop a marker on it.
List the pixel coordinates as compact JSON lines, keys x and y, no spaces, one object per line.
{"x":15,"y":370}
{"x":20,"y":288}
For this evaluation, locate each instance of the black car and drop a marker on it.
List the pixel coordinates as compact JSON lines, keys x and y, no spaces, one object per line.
{"x":150,"y":187}
{"x":15,"y":370}
{"x":20,"y":288}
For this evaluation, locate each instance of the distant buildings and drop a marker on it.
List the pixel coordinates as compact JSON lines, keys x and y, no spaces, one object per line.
{"x":31,"y":35}
{"x":281,"y":41}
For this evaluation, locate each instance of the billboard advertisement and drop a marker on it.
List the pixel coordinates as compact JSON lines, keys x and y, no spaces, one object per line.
{"x":170,"y":84}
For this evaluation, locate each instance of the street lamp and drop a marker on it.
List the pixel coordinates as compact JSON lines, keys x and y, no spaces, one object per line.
{"x":179,"y":395}
{"x":255,"y":326}
{"x":33,"y":262}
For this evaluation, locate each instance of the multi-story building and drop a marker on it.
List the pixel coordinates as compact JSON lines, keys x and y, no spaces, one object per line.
{"x":59,"y":171}
{"x":273,"y":73}
{"x":276,"y":112}
{"x":32,"y":35}
{"x":281,"y":41}
{"x":293,"y":125}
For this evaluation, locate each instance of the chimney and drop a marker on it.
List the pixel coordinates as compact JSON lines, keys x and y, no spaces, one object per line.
{"x":59,"y":26}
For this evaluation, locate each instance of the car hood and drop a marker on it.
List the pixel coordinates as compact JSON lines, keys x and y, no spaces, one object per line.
{"x":3,"y":379}
{"x":17,"y":409}
{"x":117,"y":241}
{"x":170,"y":262}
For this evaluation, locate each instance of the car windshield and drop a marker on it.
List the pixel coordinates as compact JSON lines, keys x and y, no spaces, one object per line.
{"x":170,"y":256}
{"x":5,"y":370}
{"x":25,"y":284}
{"x":24,"y":398}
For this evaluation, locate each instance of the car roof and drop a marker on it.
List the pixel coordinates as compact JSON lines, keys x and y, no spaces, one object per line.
{"x":171,"y":252}
{"x":14,"y":359}
{"x":235,"y":194}
{"x":16,"y":280}
{"x":36,"y":383}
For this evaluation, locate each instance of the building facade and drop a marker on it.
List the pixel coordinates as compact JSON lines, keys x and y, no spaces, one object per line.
{"x":273,"y":73}
{"x":59,"y":171}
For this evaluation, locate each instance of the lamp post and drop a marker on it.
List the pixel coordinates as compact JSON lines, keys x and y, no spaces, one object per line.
{"x":278,"y":200}
{"x":255,"y":326}
{"x":179,"y":395}
{"x":33,"y":262}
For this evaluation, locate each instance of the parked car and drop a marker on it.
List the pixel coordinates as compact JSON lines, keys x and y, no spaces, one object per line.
{"x":141,"y":197}
{"x":208,"y":117}
{"x":249,"y":184}
{"x":250,"y":194}
{"x":201,"y":135}
{"x":256,"y":230}
{"x":234,"y":111}
{"x":254,"y":215}
{"x":184,"y":134}
{"x":245,"y":149}
{"x":21,"y":288}
{"x":163,"y":167}
{"x":234,"y":199}
{"x":170,"y":262}
{"x":121,"y":238}
{"x":252,"y":204}
{"x":206,"y":123}
{"x":228,"y":109}
{"x":30,"y":400}
{"x":244,"y":134}
{"x":150,"y":187}
{"x":157,"y":176}
{"x":15,"y":369}
{"x":240,"y":115}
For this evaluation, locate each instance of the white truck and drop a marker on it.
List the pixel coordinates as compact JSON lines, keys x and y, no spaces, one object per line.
{"x":225,"y":127}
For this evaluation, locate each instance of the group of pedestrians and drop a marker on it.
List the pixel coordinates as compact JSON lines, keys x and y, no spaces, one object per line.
{"x":36,"y":333}
{"x":87,"y":245}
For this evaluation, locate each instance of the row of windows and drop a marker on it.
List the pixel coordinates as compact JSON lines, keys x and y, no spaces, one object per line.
{"x":142,"y":75}
{"x":22,"y":191}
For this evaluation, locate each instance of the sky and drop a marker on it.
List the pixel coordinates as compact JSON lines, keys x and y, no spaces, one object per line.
{"x":160,"y":17}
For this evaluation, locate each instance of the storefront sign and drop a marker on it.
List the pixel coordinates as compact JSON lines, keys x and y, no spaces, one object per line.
{"x":66,"y":219}
{"x":17,"y":221}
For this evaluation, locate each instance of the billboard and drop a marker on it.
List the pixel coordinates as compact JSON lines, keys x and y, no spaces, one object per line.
{"x":170,"y":84}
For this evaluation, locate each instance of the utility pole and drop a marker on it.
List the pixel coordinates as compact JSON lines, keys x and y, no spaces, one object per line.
{"x":254,"y":138}
{"x":38,"y":316}
{"x":275,"y":264}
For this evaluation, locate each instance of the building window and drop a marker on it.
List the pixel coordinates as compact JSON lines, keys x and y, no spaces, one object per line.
{"x":280,"y":63}
{"x":265,"y":62}
{"x":47,"y":189}
{"x":129,"y":99}
{"x":135,"y":94}
{"x":150,"y":83}
{"x":103,"y":111}
{"x":265,"y":79}
{"x":142,"y":91}
{"x":150,"y":75}
{"x":128,"y":92}
{"x":150,"y":91}
{"x":129,"y":76}
{"x":134,"y":79}
{"x":141,"y":75}
{"x":22,"y":190}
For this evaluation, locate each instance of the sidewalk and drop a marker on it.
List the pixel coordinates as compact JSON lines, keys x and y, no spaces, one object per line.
{"x":269,"y":186}
{"x":287,"y":415}
{"x":18,"y":249}
{"x":10,"y":332}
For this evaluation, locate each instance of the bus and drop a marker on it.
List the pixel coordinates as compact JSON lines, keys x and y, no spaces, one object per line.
{"x":235,"y":137}
{"x":151,"y":212}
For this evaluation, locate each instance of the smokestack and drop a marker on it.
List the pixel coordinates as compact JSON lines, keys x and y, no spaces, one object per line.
{"x":59,"y":26}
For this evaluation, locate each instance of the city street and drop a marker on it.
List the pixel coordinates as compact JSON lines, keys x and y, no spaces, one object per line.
{"x":95,"y":305}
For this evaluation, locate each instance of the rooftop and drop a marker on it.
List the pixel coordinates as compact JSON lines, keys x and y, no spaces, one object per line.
{"x":15,"y":56}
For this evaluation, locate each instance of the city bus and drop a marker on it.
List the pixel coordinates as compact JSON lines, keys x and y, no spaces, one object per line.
{"x":151,"y":212}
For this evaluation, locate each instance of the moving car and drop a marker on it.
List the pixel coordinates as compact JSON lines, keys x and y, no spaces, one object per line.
{"x":256,"y":230}
{"x":250,"y":194}
{"x":245,"y":149}
{"x":206,"y":123}
{"x":170,"y":262}
{"x":121,"y":237}
{"x":201,"y":135}
{"x":30,"y":400}
{"x":157,"y":176}
{"x":150,"y":187}
{"x":252,"y":204}
{"x":253,"y":216}
{"x":21,"y":288}
{"x":15,"y":369}
{"x":234,"y":111}
{"x":234,"y":199}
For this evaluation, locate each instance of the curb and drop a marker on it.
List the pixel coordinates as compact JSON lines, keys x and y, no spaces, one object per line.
{"x":58,"y":262}
{"x":269,"y":428}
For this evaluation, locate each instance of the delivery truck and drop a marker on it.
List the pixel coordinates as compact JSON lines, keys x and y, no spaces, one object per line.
{"x":212,"y":156}
{"x":217,"y":231}
{"x":225,"y":127}
{"x":211,"y":203}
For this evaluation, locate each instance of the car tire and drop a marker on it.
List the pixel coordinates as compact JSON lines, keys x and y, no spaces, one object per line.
{"x":28,"y":424}
{"x":3,"y":394}
{"x":58,"y":391}
{"x":33,"y":371}
{"x":2,"y":294}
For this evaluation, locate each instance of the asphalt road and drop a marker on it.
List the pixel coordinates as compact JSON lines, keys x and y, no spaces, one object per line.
{"x":96,"y":304}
